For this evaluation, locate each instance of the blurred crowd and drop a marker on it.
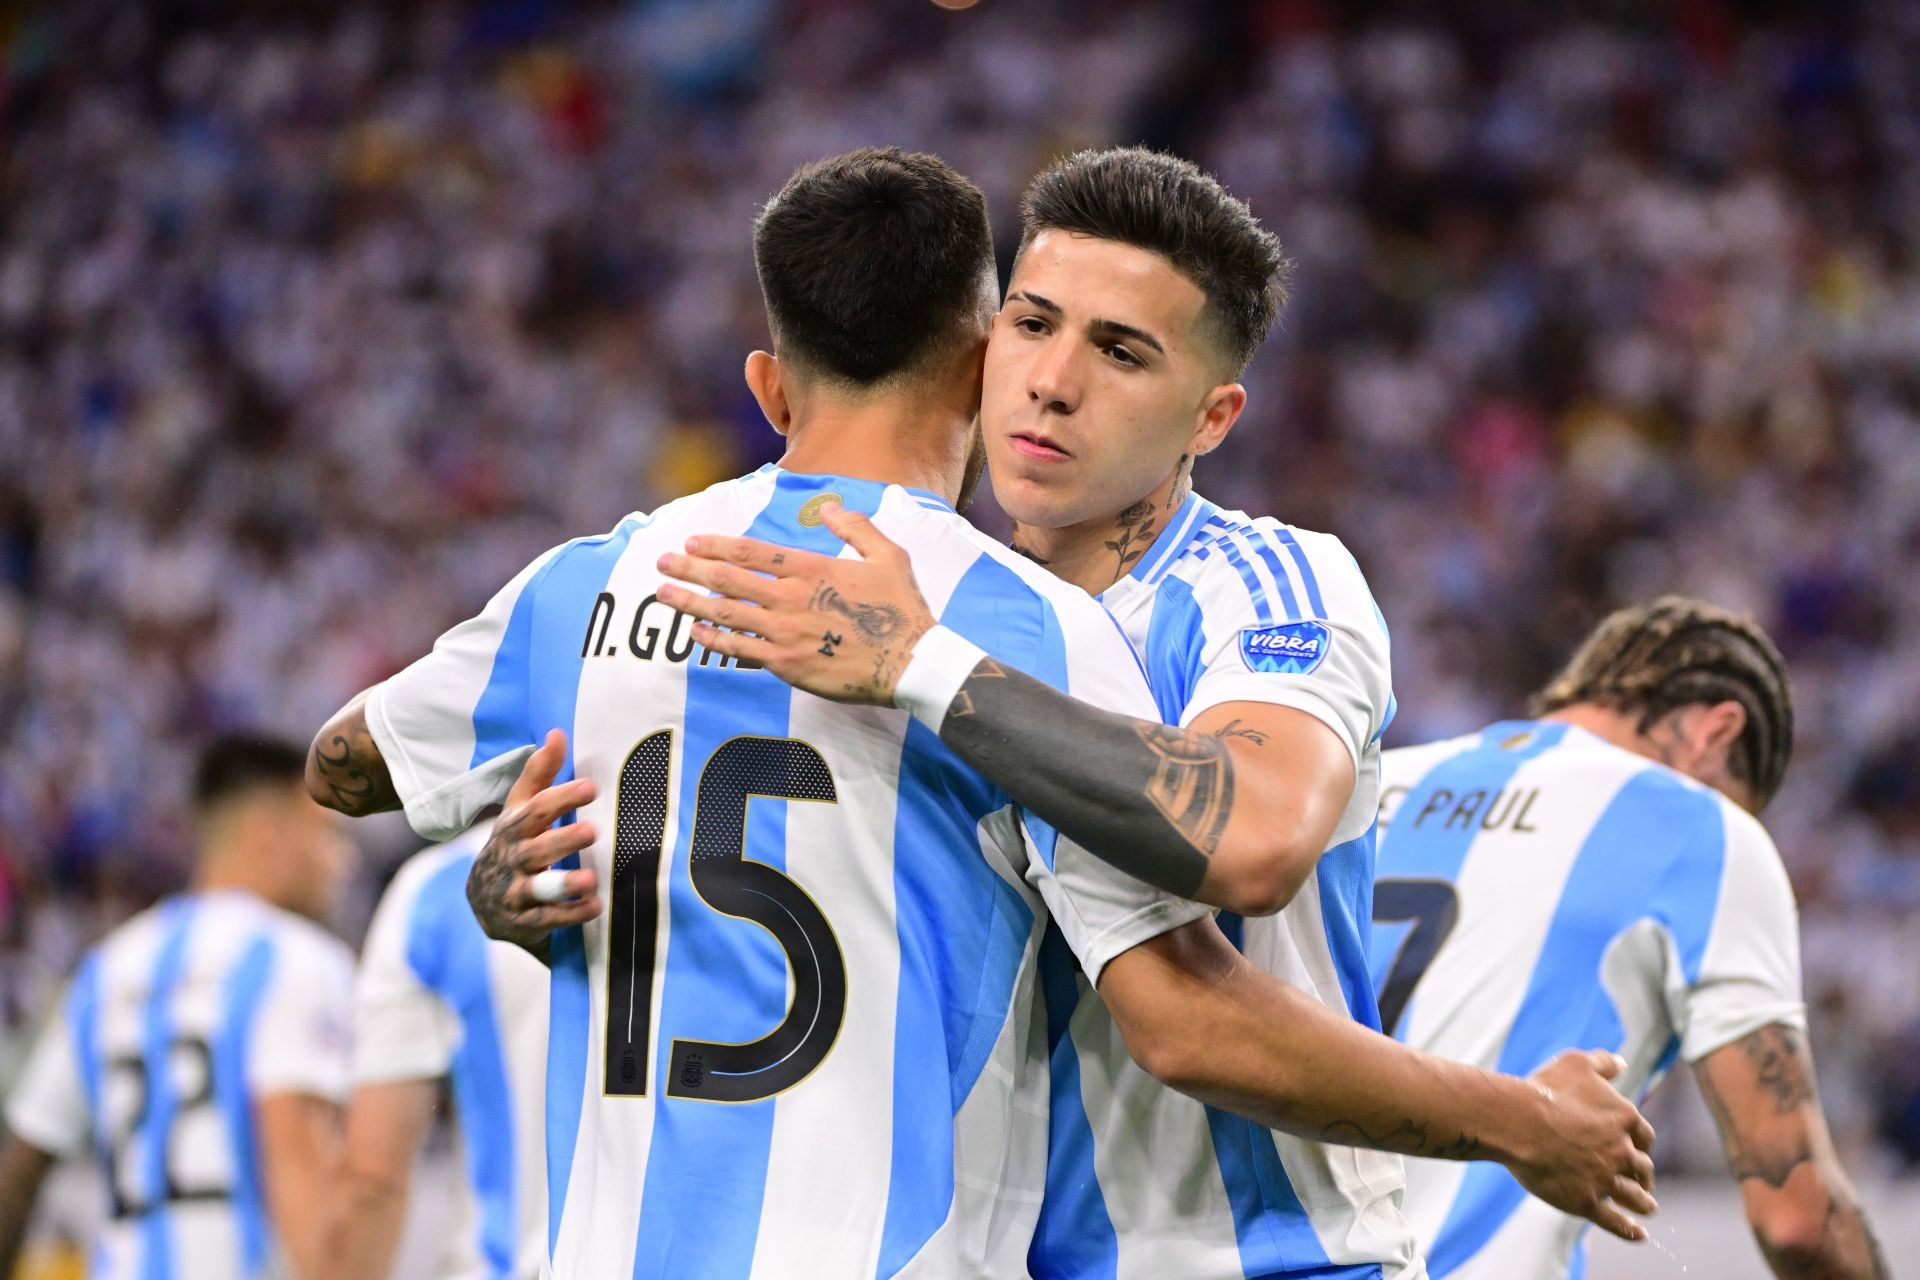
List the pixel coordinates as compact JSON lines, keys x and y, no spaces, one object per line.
{"x":314,"y":328}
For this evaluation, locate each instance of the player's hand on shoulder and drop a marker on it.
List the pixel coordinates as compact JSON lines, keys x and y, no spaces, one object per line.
{"x":514,"y":894}
{"x":1590,"y":1156}
{"x":841,"y":628}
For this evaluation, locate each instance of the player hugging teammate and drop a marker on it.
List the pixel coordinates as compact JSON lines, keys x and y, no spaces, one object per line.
{"x":966,"y":911}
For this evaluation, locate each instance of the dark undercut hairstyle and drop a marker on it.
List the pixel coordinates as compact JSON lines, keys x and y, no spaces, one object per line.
{"x":1169,"y":206}
{"x":241,"y":762}
{"x":873,"y":262}
{"x":1653,"y":659}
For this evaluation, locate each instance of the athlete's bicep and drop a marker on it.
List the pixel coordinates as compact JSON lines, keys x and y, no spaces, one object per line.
{"x":1294,"y":777}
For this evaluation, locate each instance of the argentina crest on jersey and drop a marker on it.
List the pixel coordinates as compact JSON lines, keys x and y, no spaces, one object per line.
{"x":1291,"y":648}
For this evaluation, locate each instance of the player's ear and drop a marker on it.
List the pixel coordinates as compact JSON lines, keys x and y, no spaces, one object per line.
{"x":768,"y":383}
{"x":1713,"y":729}
{"x":1219,"y":410}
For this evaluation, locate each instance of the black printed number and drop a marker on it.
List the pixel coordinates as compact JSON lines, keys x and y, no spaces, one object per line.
{"x":1434,"y":908}
{"x":740,"y":769}
{"x":128,"y":1075}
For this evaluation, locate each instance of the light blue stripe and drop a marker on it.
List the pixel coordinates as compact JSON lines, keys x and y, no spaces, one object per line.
{"x":83,"y":1024}
{"x":556,"y":600}
{"x":1658,"y":850}
{"x":1075,"y":1238}
{"x":1265,"y":550}
{"x":962,"y":929}
{"x":1176,"y":647}
{"x":725,"y":979}
{"x":1257,"y":594}
{"x":1433,"y":850}
{"x":1345,"y":874}
{"x":246,"y":986}
{"x":156,"y":1049}
{"x":448,"y":952}
{"x":1307,"y":579}
{"x":1269,"y":1222}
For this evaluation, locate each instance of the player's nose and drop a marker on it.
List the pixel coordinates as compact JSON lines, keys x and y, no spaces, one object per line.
{"x":1054,"y":381}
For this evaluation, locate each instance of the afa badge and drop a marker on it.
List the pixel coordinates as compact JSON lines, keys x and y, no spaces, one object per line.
{"x":1290,"y":649}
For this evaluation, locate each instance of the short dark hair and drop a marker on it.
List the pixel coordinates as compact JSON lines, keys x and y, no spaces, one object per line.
{"x":871,"y":261}
{"x":239,"y":762}
{"x":1655,"y":658}
{"x":1169,"y":206}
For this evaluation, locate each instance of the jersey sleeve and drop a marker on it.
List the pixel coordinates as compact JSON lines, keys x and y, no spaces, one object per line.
{"x":1320,"y":648}
{"x":48,"y":1107}
{"x":1101,"y":911}
{"x":454,"y":728}
{"x":1749,"y":974}
{"x":402,"y":1028}
{"x":301,"y":1040}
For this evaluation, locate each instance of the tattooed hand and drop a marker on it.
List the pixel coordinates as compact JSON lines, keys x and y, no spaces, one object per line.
{"x":524,"y":843}
{"x":840,"y":628}
{"x":1587,"y":1151}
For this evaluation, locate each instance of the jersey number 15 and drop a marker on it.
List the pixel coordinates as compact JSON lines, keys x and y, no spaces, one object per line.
{"x":734,"y":885}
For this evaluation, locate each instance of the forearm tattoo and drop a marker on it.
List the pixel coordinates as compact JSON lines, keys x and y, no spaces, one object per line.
{"x":1407,"y":1138}
{"x":349,"y":764}
{"x":1151,"y":799}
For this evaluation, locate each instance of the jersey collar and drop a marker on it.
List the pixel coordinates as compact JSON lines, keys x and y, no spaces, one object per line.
{"x":1175,"y":537}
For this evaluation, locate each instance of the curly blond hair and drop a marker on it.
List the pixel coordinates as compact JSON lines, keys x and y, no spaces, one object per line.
{"x":1654,"y":658}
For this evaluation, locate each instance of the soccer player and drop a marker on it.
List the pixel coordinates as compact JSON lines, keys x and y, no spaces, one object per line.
{"x":1597,"y":876}
{"x":876,"y":1037}
{"x":436,"y":999}
{"x":202,"y":1051}
{"x":1141,"y":291}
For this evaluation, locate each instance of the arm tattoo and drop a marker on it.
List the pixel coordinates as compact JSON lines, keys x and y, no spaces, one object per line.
{"x":349,"y":763}
{"x":1233,"y":729}
{"x":1407,"y":1138}
{"x":1192,"y":786}
{"x":1775,"y":1053}
{"x":1771,"y":1164}
{"x":1150,"y":799}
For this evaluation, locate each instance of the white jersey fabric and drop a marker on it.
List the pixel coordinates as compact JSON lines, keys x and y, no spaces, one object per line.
{"x":1145,"y":1182}
{"x":1543,"y":890}
{"x":175,"y":1026}
{"x":435,"y":997}
{"x":801,"y":1041}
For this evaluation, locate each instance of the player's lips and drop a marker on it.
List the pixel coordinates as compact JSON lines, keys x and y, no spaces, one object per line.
{"x":1037,"y":447}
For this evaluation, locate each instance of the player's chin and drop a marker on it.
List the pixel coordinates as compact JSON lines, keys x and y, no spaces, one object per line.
{"x":1031,"y":500}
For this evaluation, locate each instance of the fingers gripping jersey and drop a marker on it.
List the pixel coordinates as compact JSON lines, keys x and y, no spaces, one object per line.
{"x":1542,"y":890}
{"x":801,"y":1040}
{"x":176,"y":1025}
{"x":1146,"y":1182}
{"x":435,"y":997}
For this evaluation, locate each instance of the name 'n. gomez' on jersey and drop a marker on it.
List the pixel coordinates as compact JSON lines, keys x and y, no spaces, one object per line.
{"x":435,"y":997}
{"x":177,"y":1024}
{"x":802,"y":1040}
{"x":1540,"y":890}
{"x":1146,"y":1182}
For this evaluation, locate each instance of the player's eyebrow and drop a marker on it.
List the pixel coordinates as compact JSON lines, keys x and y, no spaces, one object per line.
{"x":1103,"y":328}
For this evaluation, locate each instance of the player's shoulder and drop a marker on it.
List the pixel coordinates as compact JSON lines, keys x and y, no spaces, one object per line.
{"x":1406,"y":766}
{"x":1001,"y":573}
{"x":301,"y":949}
{"x":1263,"y":568}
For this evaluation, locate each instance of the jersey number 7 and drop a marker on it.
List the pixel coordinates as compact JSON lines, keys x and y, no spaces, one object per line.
{"x":1434,"y":908}
{"x":739,"y":769}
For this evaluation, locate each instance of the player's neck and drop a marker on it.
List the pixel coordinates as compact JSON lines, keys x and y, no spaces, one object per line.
{"x":1095,"y":554}
{"x":887,"y":439}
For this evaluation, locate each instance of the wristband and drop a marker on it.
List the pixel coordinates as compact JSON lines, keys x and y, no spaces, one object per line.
{"x":941,"y":662}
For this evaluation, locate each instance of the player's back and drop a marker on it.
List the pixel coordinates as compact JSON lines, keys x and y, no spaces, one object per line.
{"x":435,"y":997}
{"x":175,"y":1026}
{"x":1541,"y":890}
{"x":801,"y":1038}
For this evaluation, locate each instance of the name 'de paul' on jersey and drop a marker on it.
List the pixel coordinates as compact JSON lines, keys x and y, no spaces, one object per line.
{"x":655,"y":633}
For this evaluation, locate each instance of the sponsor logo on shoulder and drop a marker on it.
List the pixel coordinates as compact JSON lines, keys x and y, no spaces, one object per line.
{"x":1291,"y":649}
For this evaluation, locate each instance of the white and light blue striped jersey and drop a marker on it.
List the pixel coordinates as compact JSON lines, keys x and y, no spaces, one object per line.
{"x":176,"y":1025}
{"x":1146,"y":1182}
{"x":802,"y":1040}
{"x":1540,"y":890}
{"x":436,"y":997}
